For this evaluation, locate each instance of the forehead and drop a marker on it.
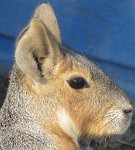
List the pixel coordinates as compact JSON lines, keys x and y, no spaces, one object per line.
{"x":82,"y":64}
{"x":77,"y":59}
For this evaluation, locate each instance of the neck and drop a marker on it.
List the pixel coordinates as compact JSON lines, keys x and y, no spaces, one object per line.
{"x":22,"y":108}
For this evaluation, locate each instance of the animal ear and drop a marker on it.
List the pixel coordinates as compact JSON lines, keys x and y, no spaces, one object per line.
{"x":45,"y":13}
{"x":37,"y":51}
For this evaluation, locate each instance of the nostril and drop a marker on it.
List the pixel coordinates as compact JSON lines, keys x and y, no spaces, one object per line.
{"x":128,"y":111}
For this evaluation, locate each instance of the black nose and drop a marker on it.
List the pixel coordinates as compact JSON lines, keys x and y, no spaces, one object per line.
{"x":128,"y":111}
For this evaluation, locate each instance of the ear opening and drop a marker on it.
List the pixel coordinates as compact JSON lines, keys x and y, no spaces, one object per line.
{"x":37,"y":51}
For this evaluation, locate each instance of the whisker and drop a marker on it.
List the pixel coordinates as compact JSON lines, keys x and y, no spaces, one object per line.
{"x":100,"y":117}
{"x":106,"y":124}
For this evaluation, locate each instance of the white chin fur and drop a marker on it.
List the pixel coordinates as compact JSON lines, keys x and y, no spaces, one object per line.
{"x":67,"y":124}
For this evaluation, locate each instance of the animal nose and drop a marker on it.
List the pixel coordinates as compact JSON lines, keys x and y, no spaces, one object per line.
{"x":128,"y":111}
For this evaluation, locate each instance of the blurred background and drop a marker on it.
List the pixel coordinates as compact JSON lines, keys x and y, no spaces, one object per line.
{"x":102,"y":30}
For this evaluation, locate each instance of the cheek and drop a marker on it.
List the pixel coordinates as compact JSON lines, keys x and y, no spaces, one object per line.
{"x":83,"y":110}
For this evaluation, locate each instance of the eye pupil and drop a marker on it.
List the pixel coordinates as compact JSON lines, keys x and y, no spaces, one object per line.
{"x":77,"y":83}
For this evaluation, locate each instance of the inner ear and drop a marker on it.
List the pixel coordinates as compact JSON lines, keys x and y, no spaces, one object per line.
{"x":39,"y":61}
{"x":37,"y":51}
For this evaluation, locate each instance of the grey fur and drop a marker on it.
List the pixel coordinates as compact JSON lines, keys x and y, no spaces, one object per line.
{"x":18,"y":127}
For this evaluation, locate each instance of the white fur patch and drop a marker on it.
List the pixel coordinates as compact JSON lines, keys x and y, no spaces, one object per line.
{"x":67,"y":124}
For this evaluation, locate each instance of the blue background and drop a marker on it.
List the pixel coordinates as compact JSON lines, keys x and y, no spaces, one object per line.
{"x":103,"y":30}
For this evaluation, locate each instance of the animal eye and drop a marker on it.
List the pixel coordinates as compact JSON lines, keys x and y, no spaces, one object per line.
{"x":78,"y":83}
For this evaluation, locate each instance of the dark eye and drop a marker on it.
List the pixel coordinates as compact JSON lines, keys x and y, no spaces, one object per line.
{"x":78,"y":83}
